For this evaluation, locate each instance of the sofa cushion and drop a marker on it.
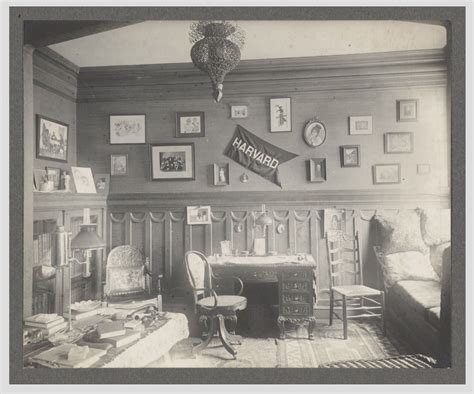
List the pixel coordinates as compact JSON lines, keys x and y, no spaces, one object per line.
{"x":417,"y":295}
{"x":435,"y":226}
{"x":400,"y":232}
{"x":432,"y":315}
{"x":436,"y":257}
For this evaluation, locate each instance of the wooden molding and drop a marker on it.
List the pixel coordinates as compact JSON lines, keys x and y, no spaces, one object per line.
{"x":67,"y":201}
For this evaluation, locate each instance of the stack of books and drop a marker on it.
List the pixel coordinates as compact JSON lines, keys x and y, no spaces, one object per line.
{"x":49,"y":323}
{"x":116,"y":334}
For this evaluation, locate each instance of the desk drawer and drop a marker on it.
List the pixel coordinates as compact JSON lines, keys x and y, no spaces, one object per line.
{"x":291,"y":285}
{"x":296,"y":274}
{"x":259,"y":275}
{"x":296,"y":310}
{"x":292,"y":298}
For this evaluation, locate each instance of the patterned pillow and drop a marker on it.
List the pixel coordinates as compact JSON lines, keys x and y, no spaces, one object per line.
{"x":435,"y":226}
{"x":406,"y":266}
{"x":436,"y":257}
{"x":400,"y":233}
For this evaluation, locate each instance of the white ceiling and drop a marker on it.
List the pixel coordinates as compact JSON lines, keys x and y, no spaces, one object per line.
{"x":155,"y":42}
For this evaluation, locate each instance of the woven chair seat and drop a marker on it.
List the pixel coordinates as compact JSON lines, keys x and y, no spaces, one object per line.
{"x":356,"y":291}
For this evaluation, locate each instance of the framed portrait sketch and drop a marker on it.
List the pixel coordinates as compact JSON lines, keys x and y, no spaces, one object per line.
{"x":314,"y":133}
{"x":334,"y":220}
{"x":407,"y":110}
{"x":316,"y":170}
{"x":51,"y":139}
{"x":198,"y":215}
{"x":238,"y":111}
{"x":102,"y":183}
{"x":400,"y":142}
{"x":360,"y":125}
{"x":350,"y":156}
{"x":190,"y":124}
{"x":280,"y":115}
{"x":127,"y":129}
{"x":83,"y":179}
{"x":386,"y":173}
{"x":172,"y":162}
{"x":119,"y":164}
{"x":221,"y":174}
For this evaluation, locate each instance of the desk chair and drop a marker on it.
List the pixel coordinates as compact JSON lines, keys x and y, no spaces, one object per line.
{"x":344,"y":262}
{"x":213,"y":309}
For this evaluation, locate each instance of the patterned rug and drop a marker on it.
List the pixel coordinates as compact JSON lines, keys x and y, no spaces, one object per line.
{"x":365,"y":342}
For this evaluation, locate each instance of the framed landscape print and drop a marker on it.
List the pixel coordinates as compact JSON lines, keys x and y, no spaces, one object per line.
{"x":400,"y":142}
{"x":172,"y":162}
{"x":316,"y":170}
{"x":280,"y":115}
{"x":51,"y":139}
{"x":198,"y":215}
{"x":350,"y":155}
{"x":83,"y":179}
{"x":407,"y":110}
{"x":238,"y":111}
{"x":386,"y":173}
{"x":360,"y":125}
{"x":127,"y":129}
{"x":119,"y":165}
{"x":221,"y":174}
{"x":190,"y":124}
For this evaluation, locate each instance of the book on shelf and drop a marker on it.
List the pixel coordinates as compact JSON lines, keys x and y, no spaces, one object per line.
{"x":125,"y":339}
{"x":44,"y":320}
{"x":61,"y":356}
{"x":110,"y":329}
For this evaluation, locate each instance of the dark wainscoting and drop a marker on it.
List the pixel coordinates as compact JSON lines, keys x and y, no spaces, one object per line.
{"x":156,"y":223}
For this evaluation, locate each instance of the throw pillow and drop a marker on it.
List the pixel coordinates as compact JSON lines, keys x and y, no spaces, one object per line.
{"x":406,"y":266}
{"x":436,"y":257}
{"x":435,"y":226}
{"x":400,"y":233}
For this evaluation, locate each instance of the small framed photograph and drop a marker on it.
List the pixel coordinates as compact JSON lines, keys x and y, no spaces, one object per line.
{"x":280,"y":115}
{"x":127,"y":129}
{"x":400,"y":142}
{"x":172,"y":162}
{"x":83,"y":179}
{"x":407,"y":110}
{"x":316,"y":170}
{"x":40,"y":177}
{"x":386,"y":173}
{"x":54,"y":174}
{"x":314,"y":133}
{"x":119,"y":164}
{"x":360,"y":125}
{"x":423,"y":169}
{"x":350,"y":155}
{"x":221,"y":174}
{"x":334,"y":220}
{"x":238,"y":111}
{"x":51,"y":139}
{"x":190,"y":124}
{"x":102,"y":183}
{"x":198,"y":215}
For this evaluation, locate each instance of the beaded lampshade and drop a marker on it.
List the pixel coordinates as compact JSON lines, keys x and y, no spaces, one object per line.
{"x":216,"y":50}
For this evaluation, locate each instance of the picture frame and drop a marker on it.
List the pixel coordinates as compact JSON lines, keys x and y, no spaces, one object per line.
{"x":238,"y":111}
{"x":280,"y":115}
{"x":221,"y":174}
{"x":83,"y":180}
{"x":316,"y":170}
{"x":119,"y":164}
{"x":54,"y":174}
{"x":102,"y":183}
{"x":51,"y":139}
{"x":314,"y":133}
{"x":407,"y":110}
{"x":172,"y":162}
{"x":39,"y":176}
{"x":190,"y":124}
{"x":127,"y":129}
{"x":388,"y":173}
{"x":198,"y":215}
{"x":398,"y":142}
{"x":334,"y":220}
{"x":350,"y":155}
{"x":360,"y":125}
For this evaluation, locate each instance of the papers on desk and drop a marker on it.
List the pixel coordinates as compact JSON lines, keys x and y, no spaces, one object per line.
{"x":69,"y":356}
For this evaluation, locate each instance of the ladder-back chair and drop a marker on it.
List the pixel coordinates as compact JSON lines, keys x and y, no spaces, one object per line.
{"x":346,"y":289}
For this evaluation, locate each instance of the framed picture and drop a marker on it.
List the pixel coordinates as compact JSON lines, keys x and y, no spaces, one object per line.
{"x":360,"y":125}
{"x":316,"y":170}
{"x":221,"y":174}
{"x":334,"y":220}
{"x":407,"y":110}
{"x":280,"y":115}
{"x":238,"y":111}
{"x":172,"y":162}
{"x":387,"y":173}
{"x":102,"y":183}
{"x":127,"y":129}
{"x":83,"y":179}
{"x":314,"y":133}
{"x":54,"y":174}
{"x":350,"y":156}
{"x":51,"y":139}
{"x":198,"y":215}
{"x":190,"y":124}
{"x":400,"y":142}
{"x":40,"y":177}
{"x":119,"y":164}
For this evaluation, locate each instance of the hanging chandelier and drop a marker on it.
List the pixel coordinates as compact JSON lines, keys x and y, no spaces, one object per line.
{"x":216,"y":50}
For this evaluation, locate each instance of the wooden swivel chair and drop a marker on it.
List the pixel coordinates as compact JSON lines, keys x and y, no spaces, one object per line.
{"x":213,"y":309}
{"x":345,"y":265}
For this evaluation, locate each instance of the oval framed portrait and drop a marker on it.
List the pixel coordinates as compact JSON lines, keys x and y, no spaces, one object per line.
{"x":314,"y":133}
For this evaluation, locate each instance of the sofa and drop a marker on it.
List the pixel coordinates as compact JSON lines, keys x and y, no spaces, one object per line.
{"x":412,"y":247}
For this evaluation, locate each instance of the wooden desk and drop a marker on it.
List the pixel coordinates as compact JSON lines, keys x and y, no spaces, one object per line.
{"x":294,"y":274}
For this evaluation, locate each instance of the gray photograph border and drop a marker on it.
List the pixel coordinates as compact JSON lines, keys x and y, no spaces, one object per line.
{"x":454,"y":20}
